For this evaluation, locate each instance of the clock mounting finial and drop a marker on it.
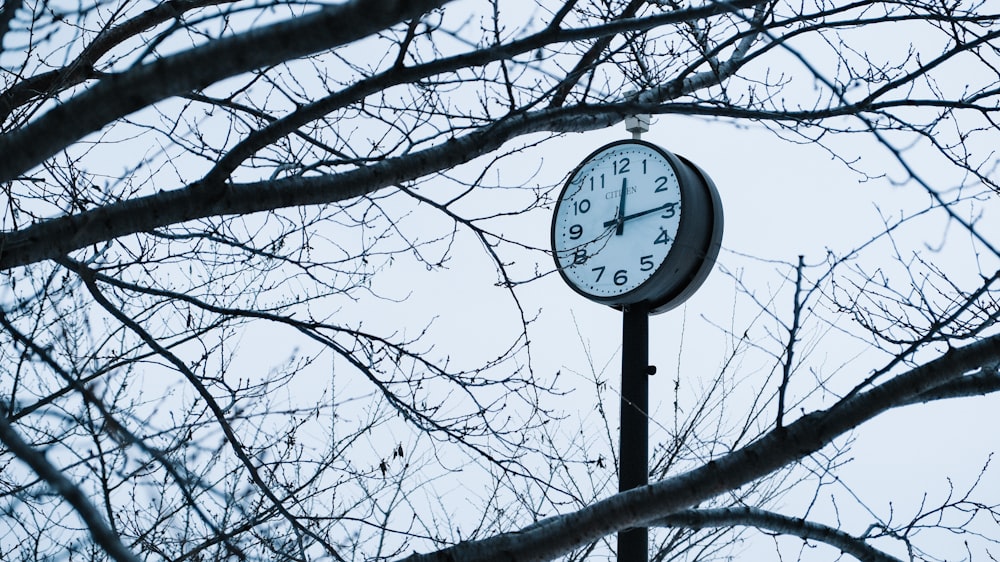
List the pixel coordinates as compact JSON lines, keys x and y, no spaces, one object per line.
{"x":639,"y":123}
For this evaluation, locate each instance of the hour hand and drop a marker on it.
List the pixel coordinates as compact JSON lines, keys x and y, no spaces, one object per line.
{"x":620,"y":218}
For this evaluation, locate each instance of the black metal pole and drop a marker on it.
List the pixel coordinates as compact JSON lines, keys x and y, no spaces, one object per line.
{"x":633,"y":469}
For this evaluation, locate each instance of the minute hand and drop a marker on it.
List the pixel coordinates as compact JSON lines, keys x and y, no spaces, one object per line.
{"x":637,"y":215}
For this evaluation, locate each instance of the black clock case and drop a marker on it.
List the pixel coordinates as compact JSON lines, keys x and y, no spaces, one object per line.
{"x":695,"y":249}
{"x":699,"y":239}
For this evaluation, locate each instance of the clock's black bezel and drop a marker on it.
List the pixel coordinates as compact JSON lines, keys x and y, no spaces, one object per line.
{"x":695,"y":248}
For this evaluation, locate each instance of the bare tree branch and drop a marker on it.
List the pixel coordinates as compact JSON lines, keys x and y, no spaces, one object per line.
{"x":226,"y":225}
{"x":91,"y":516}
{"x":116,"y":96}
{"x":768,"y":521}
{"x":644,"y":506}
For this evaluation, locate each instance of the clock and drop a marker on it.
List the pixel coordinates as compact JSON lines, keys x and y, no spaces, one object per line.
{"x":636,"y":224}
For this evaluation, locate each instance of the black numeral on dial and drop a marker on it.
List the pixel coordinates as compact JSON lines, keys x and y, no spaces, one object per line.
{"x":620,"y":166}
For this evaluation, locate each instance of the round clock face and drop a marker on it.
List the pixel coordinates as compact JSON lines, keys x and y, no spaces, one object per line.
{"x":617,"y":219}
{"x":621,"y":213}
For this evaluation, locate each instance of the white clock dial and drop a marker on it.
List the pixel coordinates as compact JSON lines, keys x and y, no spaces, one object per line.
{"x":617,"y":220}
